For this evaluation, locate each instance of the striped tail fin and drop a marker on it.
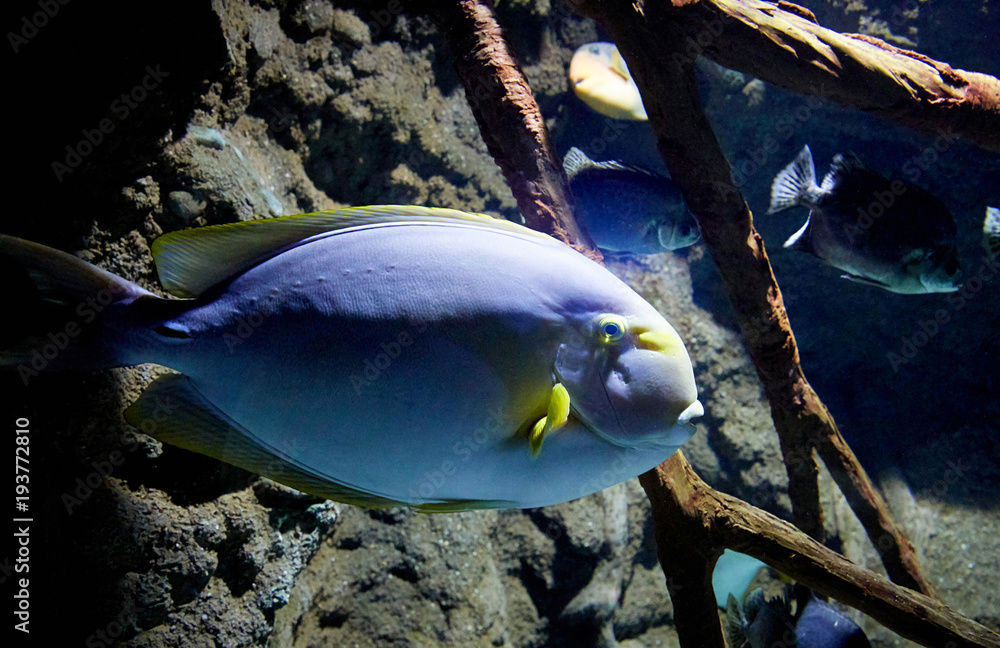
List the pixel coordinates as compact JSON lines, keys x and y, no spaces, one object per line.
{"x":792,"y":185}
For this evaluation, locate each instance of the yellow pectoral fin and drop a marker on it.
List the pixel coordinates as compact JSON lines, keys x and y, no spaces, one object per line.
{"x":555,"y":418}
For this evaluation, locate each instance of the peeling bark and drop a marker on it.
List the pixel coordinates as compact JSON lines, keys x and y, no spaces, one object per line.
{"x":783,"y":45}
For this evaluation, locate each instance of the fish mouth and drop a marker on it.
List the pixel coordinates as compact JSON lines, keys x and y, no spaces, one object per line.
{"x":694,"y":410}
{"x":938,"y":285}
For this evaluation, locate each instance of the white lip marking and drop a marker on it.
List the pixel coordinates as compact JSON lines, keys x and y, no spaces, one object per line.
{"x":693,"y":410}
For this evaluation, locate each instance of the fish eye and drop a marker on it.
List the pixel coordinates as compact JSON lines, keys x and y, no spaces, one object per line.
{"x":685,"y":230}
{"x":612,"y":328}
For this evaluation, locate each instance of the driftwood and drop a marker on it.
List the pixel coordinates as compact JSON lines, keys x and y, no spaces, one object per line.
{"x":647,"y":37}
{"x":510,"y":122}
{"x":694,"y":522}
{"x":782,"y":44}
{"x":686,"y":507}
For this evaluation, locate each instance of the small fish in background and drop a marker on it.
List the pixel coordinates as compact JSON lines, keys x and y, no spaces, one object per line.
{"x":821,"y":625}
{"x":759,"y":622}
{"x":627,"y":209}
{"x":883,"y":232}
{"x":732,"y":575}
{"x":378,"y":356}
{"x":601,"y":80}
{"x":991,"y":233}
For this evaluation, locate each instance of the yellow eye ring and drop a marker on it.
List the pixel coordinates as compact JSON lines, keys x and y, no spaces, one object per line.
{"x":612,"y":328}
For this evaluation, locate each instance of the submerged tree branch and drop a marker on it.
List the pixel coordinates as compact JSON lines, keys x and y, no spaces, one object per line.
{"x":782,"y":44}
{"x":510,"y":122}
{"x":648,"y":37}
{"x":694,"y":522}
{"x":684,"y":507}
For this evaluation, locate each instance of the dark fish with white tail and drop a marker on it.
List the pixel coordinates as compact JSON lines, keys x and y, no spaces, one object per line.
{"x":627,"y":209}
{"x":880,"y":231}
{"x":759,"y":622}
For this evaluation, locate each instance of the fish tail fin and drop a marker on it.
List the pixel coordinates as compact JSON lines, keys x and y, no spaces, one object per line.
{"x":68,"y":313}
{"x":575,"y":162}
{"x":991,"y":233}
{"x":792,"y":185}
{"x":735,"y":622}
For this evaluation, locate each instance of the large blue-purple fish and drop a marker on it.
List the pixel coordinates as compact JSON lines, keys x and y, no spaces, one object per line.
{"x":386,"y":355}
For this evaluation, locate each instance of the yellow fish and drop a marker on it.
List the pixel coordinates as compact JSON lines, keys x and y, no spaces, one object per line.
{"x":602,"y":81}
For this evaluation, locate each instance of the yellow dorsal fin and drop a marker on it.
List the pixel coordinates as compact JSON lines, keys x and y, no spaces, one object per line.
{"x":555,"y":418}
{"x":191,"y":261}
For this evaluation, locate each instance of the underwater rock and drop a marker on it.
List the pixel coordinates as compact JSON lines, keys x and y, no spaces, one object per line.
{"x":187,"y":551}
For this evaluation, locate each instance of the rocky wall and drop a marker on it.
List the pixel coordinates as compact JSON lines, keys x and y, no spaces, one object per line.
{"x":243,"y":109}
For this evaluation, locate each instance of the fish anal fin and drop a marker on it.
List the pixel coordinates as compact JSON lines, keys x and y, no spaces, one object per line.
{"x":865,"y":280}
{"x":802,"y":239}
{"x":175,"y":412}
